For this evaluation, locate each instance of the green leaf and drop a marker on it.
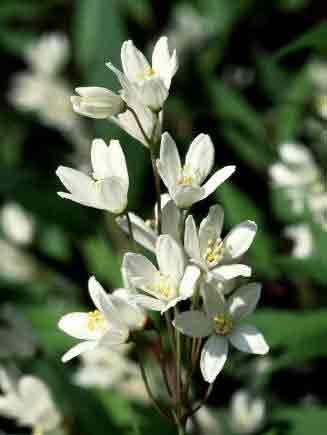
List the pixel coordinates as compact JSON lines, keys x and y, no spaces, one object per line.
{"x":303,"y":420}
{"x":44,"y":320}
{"x":273,"y":78}
{"x":230,"y":106}
{"x":238,"y":207}
{"x":315,"y":39}
{"x":102,"y":261}
{"x":299,"y":336}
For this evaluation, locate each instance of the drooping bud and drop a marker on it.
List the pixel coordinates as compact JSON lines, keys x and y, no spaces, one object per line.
{"x":96,"y":102}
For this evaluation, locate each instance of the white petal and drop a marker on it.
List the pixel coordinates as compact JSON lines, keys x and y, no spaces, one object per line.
{"x":134,"y":62}
{"x":211,"y":227}
{"x":94,"y":91}
{"x":129,"y":312}
{"x":191,"y":239}
{"x":114,"y":193}
{"x":30,"y":387}
{"x":213,"y":357}
{"x":231,"y":271}
{"x":163,"y":64}
{"x":153,"y":93}
{"x":185,"y":196}
{"x":103,"y":301}
{"x":238,"y":241}
{"x":171,"y":220}
{"x":139,"y":269}
{"x":170,"y":163}
{"x":244,"y":300}
{"x":193,"y":324}
{"x":78,"y":349}
{"x":115,"y":337}
{"x":143,"y":234}
{"x":78,"y":184}
{"x":150,"y":302}
{"x":171,"y":259}
{"x":189,"y":282}
{"x":109,"y":160}
{"x":217,"y":179}
{"x":200,"y":156}
{"x":97,"y":292}
{"x":247,"y":338}
{"x":75,"y":324}
{"x":295,"y":154}
{"x":214,"y":301}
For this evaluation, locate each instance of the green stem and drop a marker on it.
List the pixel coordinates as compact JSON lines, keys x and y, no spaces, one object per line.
{"x":153,"y":149}
{"x":158,"y":190}
{"x":130,"y":230}
{"x":156,"y":404}
{"x":140,"y":126}
{"x":181,"y":429}
{"x":178,"y":369}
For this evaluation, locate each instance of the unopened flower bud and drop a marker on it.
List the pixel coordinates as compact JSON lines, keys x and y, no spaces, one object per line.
{"x":96,"y":102}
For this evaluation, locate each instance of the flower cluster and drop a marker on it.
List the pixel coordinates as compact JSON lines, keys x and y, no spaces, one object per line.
{"x":302,"y":181}
{"x":29,"y":402}
{"x":193,"y":265}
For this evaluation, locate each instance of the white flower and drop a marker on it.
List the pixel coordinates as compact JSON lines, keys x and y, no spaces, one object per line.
{"x":301,"y":235}
{"x":317,"y":203}
{"x":184,"y":183}
{"x":167,"y":286}
{"x":221,"y":321}
{"x":105,"y":368}
{"x":186,"y":17}
{"x":17,"y":224}
{"x":214,"y":255}
{"x":105,"y":326}
{"x":297,"y":174}
{"x":146,"y":232}
{"x":207,"y":421}
{"x":15,"y":264}
{"x":29,"y":403}
{"x":150,"y":83}
{"x":96,"y":102}
{"x":48,"y":55}
{"x":151,"y":124}
{"x":247,"y":414}
{"x":107,"y":188}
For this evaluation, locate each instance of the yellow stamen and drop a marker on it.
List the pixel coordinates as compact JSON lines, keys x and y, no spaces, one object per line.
{"x":163,"y":286}
{"x":223,"y":324}
{"x":185,"y":179}
{"x":96,"y":320}
{"x":214,"y":252}
{"x":148,"y":72}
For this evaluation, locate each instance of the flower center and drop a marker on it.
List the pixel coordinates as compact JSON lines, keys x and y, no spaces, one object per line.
{"x":152,"y":224}
{"x":214,"y":251}
{"x":185,"y":179}
{"x":97,"y":182}
{"x":147,"y":73}
{"x":223,"y":324}
{"x":96,"y":321}
{"x":163,"y":286}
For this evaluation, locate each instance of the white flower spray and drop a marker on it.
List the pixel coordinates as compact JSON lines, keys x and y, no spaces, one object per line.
{"x":194,"y":266}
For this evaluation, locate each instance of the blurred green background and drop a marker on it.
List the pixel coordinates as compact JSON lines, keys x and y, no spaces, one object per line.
{"x":244,"y":78}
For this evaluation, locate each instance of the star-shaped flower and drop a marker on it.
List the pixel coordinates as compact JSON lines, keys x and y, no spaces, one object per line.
{"x":222,"y":322}
{"x":168,"y":285}
{"x":185,"y":183}
{"x":216,"y":256}
{"x":107,"y":188}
